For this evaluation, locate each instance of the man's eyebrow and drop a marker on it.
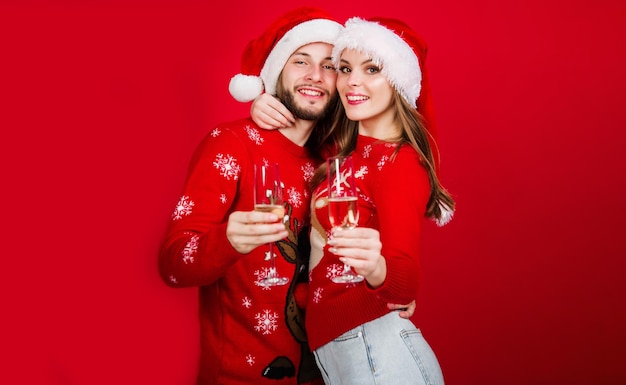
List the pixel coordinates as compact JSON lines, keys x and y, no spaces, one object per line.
{"x":308,"y":55}
{"x":299,"y":53}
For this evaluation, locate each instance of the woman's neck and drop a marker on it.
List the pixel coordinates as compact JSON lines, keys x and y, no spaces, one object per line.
{"x":381,"y":127}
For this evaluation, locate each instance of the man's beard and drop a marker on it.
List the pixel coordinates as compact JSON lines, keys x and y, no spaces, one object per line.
{"x":287,"y":98}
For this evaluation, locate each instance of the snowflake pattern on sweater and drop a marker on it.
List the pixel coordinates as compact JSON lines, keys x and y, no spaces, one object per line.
{"x":390,"y":186}
{"x":238,"y":317}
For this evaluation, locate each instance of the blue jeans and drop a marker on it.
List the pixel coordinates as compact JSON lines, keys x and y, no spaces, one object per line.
{"x":386,"y":351}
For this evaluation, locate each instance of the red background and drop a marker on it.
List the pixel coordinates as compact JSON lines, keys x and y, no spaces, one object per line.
{"x":103,"y":103}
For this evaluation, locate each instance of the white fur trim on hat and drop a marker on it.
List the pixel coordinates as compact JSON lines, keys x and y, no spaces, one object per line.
{"x":312,"y":31}
{"x":399,"y":63}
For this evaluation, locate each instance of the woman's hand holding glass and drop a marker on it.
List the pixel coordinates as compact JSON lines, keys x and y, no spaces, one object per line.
{"x":360,"y":248}
{"x":343,"y":205}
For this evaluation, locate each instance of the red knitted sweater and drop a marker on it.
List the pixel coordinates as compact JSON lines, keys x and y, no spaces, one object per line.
{"x":393,"y":192}
{"x":249,"y":334}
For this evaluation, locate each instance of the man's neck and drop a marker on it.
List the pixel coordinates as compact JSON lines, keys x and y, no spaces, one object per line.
{"x":299,"y":132}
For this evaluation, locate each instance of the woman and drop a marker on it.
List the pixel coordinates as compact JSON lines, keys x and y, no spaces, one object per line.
{"x":382,"y":86}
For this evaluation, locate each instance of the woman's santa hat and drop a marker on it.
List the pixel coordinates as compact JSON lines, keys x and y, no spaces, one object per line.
{"x":401,"y":53}
{"x":399,"y":50}
{"x":263,"y":58}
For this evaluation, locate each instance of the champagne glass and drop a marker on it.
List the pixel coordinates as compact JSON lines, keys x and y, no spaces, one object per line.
{"x":343,"y":210}
{"x":268,"y":197}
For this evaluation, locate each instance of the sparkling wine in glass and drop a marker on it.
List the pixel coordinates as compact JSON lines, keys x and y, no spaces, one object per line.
{"x":343,"y":210}
{"x":268,"y":197}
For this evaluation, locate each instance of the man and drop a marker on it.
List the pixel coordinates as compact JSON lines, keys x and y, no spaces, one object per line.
{"x":251,"y":333}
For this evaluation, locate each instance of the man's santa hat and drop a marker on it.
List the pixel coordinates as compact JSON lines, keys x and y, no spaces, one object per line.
{"x":401,"y":53}
{"x":263,"y":58}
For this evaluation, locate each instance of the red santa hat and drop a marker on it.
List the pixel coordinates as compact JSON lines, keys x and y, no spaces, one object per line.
{"x":263,"y":58}
{"x":399,"y":50}
{"x":401,"y":53}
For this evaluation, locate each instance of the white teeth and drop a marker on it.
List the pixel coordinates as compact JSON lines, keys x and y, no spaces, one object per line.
{"x":354,"y":98}
{"x":310,"y":92}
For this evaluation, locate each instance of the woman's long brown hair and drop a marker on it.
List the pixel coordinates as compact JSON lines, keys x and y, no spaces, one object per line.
{"x":343,"y":134}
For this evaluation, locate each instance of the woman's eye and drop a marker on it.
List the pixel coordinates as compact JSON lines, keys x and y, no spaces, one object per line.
{"x":344,"y":69}
{"x":373,"y":70}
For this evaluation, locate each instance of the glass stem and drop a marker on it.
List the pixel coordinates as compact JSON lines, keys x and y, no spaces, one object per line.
{"x":272,"y":272}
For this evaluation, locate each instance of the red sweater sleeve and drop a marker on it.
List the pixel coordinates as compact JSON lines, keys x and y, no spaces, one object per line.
{"x":401,"y":196}
{"x":195,"y":250}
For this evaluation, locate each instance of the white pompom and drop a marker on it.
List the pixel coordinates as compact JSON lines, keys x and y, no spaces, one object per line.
{"x":446,"y":215}
{"x":245,"y":88}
